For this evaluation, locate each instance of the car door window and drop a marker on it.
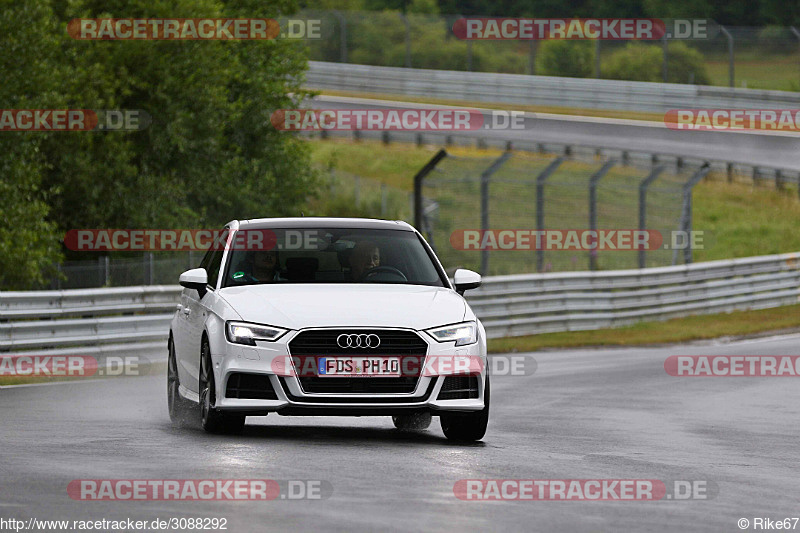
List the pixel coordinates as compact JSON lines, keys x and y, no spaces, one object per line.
{"x":215,"y":260}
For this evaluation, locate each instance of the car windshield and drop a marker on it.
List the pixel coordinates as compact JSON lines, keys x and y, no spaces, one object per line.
{"x":329,"y":255}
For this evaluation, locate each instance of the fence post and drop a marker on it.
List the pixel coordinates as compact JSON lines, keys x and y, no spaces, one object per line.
{"x":597,"y":58}
{"x":357,"y":189}
{"x":686,"y":217}
{"x":106,"y":266}
{"x":664,"y":64}
{"x":469,"y":56}
{"x":593,"y":181}
{"x":424,"y":171}
{"x":730,"y":55}
{"x":152,"y":266}
{"x":540,"y":179}
{"x":100,"y":272}
{"x":407,"y":39}
{"x":383,"y":199}
{"x":532,"y":57}
{"x":342,"y":36}
{"x":643,"y":186}
{"x":795,"y":32}
{"x":485,"y":178}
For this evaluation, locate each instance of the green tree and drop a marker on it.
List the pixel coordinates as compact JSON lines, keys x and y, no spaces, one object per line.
{"x":29,"y":242}
{"x":572,"y":59}
{"x":644,"y":62}
{"x":209,"y":155}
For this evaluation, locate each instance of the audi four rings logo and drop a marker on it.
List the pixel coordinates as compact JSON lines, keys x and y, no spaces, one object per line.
{"x":358,"y":340}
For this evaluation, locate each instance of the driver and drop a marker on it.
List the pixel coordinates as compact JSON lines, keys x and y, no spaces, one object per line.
{"x":259,"y":266}
{"x":365,"y":256}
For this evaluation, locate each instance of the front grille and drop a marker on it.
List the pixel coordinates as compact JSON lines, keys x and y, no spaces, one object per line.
{"x":392,"y":343}
{"x":323,"y":342}
{"x":459,"y":388}
{"x":249,"y":387}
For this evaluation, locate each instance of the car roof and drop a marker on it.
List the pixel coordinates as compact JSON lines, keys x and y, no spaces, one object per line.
{"x":322,"y":222}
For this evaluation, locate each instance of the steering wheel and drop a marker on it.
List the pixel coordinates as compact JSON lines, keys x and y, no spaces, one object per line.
{"x":383,"y":269}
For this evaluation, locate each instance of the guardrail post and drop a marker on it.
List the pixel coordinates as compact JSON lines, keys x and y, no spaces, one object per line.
{"x":418,"y":178}
{"x":469,"y":56}
{"x":643,"y":186}
{"x":593,"y":181}
{"x":686,"y":216}
{"x":532,"y":57}
{"x":731,"y":75}
{"x":664,"y":64}
{"x":485,"y":178}
{"x":540,"y":179}
{"x":778,"y":179}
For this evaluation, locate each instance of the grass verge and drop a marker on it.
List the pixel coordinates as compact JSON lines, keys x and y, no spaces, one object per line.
{"x":555,"y":110}
{"x":739,"y":219}
{"x":150,"y":369}
{"x":738,"y":323}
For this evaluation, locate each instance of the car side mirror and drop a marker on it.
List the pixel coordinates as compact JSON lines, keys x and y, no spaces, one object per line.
{"x":197,"y":279}
{"x":465,"y":280}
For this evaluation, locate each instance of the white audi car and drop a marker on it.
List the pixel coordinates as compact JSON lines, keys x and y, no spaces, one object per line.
{"x":327,"y":316}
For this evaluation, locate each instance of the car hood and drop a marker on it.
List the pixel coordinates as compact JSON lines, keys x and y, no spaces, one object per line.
{"x":297,"y":306}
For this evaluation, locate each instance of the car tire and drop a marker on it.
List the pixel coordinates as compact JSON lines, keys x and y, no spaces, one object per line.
{"x":212,"y":419}
{"x":413,"y":422}
{"x":181,"y":411}
{"x":467,"y":427}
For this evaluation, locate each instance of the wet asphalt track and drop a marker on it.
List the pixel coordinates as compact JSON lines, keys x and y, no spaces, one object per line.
{"x":759,"y":149}
{"x":584,"y":414}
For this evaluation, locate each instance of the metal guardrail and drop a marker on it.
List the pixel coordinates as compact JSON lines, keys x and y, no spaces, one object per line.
{"x":571,"y":301}
{"x":97,"y":322}
{"x":540,"y":90}
{"x":132,"y":321}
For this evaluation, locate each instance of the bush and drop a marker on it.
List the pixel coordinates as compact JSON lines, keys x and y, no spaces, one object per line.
{"x":644,"y":62}
{"x":777,"y":40}
{"x":572,"y":59}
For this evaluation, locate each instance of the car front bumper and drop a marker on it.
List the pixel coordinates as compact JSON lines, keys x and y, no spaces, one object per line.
{"x":291,"y":399}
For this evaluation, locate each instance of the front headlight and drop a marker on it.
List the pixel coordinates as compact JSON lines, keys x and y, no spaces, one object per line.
{"x":244,"y":333}
{"x":463,"y":334}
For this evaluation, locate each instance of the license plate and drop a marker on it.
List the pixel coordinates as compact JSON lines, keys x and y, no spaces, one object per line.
{"x":358,"y":367}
